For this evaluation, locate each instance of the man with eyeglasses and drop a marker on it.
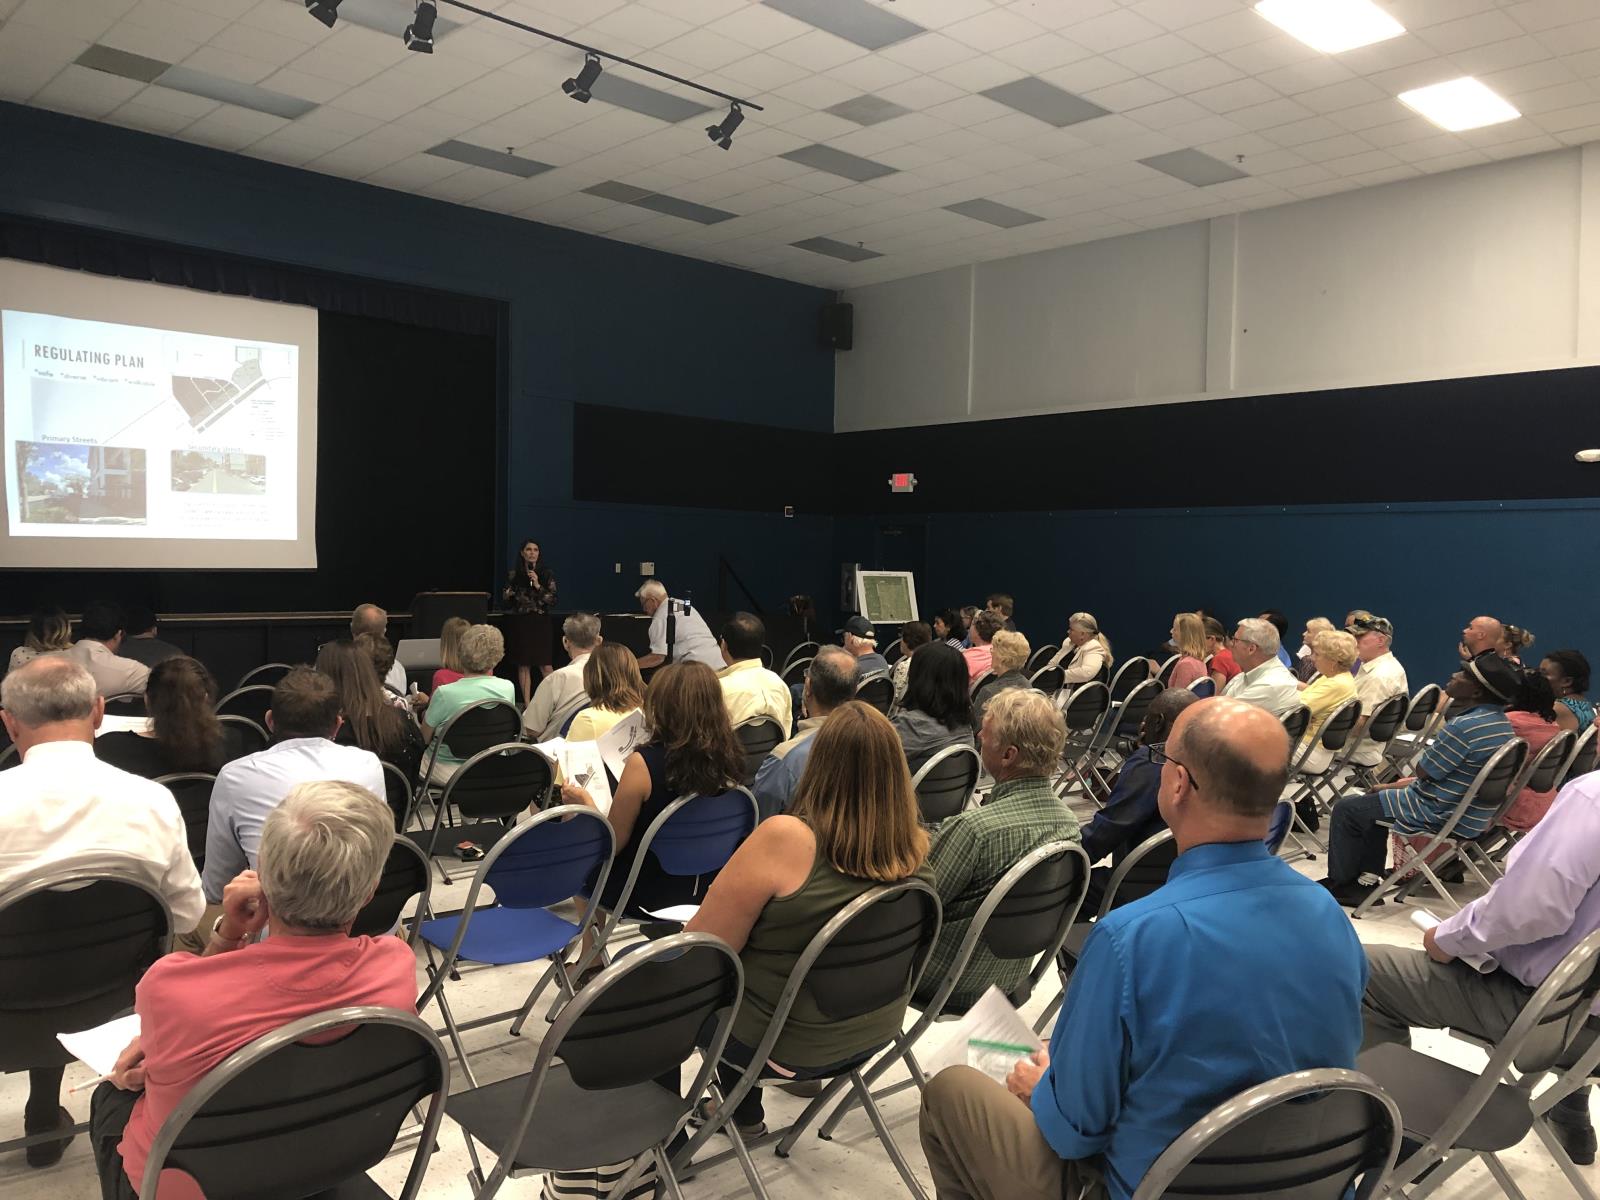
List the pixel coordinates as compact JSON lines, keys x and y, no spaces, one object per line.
{"x":1263,"y":680}
{"x":830,"y":681}
{"x":1379,"y":679}
{"x":1235,"y":941}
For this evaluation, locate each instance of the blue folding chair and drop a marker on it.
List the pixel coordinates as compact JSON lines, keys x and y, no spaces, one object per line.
{"x":547,"y":859}
{"x":693,"y":836}
{"x":1282,"y":818}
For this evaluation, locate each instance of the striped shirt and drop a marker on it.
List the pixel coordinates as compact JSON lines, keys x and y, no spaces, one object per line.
{"x":1446,"y":771}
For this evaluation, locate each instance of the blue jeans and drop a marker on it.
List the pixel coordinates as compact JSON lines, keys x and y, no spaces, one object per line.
{"x":1357,"y":844}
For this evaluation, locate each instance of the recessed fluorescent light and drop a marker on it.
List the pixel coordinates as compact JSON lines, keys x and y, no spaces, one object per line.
{"x":1460,"y":104}
{"x":1331,"y":26}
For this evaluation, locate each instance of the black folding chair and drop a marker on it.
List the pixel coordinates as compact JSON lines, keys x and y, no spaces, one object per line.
{"x":1334,"y":738}
{"x":1126,"y":720}
{"x":251,"y":736}
{"x":1294,"y":724}
{"x":757,"y":737}
{"x":192,"y":791}
{"x":795,"y":671}
{"x":251,"y":701}
{"x":805,"y":650}
{"x":1310,"y":1135}
{"x":945,"y":783}
{"x":1380,"y":729}
{"x":126,"y":704}
{"x":397,"y":790}
{"x":281,"y":1118}
{"x":876,"y":690}
{"x":1040,"y":658}
{"x":1164,"y":671}
{"x":405,"y":875}
{"x":1483,"y":854}
{"x":489,"y":790}
{"x":1129,"y":676}
{"x":267,"y":673}
{"x":591,"y":1098}
{"x":1581,"y":760}
{"x":474,"y":728}
{"x":1422,"y":721}
{"x":1048,"y":680}
{"x":1087,"y":712}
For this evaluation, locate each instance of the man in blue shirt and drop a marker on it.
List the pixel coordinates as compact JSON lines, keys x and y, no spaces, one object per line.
{"x":830,"y":681}
{"x":1237,"y":971}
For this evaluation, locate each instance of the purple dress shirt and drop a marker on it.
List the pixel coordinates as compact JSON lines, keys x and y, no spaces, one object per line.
{"x":1549,"y":899}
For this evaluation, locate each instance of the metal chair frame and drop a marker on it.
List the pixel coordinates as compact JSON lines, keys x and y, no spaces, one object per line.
{"x":754,"y":755}
{"x":1486,"y":851}
{"x":1381,"y":727}
{"x":805,"y":650}
{"x":1124,"y":681}
{"x":424,"y":909}
{"x":1424,"y":717}
{"x":442,"y":808}
{"x":1334,"y":735}
{"x":1054,"y":676}
{"x":1163,"y":672}
{"x":1085,"y":742}
{"x":130,"y":704}
{"x":873,"y":681}
{"x":1130,"y":714}
{"x":167,"y":781}
{"x":430,"y":754}
{"x":1040,"y":658}
{"x":253,"y":726}
{"x":249,"y":689}
{"x":798,"y":667}
{"x":244,"y":680}
{"x":938,"y":759}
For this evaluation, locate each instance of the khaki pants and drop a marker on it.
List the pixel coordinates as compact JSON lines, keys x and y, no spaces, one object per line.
{"x":982,"y":1144}
{"x":196,"y":941}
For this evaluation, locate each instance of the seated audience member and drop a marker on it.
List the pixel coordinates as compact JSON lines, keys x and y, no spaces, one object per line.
{"x":748,"y":688}
{"x":99,"y":638}
{"x":1004,"y":607}
{"x":368,"y":720}
{"x":853,"y":827}
{"x":1380,"y":678}
{"x":1086,"y":655}
{"x":1220,"y":664}
{"x":938,"y":708}
{"x":1008,"y":654}
{"x":369,"y":618}
{"x":1280,"y":623}
{"x":830,"y":681}
{"x":322,"y":853}
{"x":979,"y":654}
{"x":304,"y":721}
{"x":860,"y":638}
{"x":949,"y":628}
{"x":1243,"y":941}
{"x":1513,"y":641}
{"x":1357,"y":844}
{"x":1333,"y":653}
{"x":1262,"y":680}
{"x":1568,"y":673}
{"x":1304,"y":669}
{"x":1189,"y":639}
{"x":140,"y":642}
{"x":615,"y":689}
{"x":969,"y":613}
{"x":1532,"y":713}
{"x":381,"y":654}
{"x":560,"y":694}
{"x":183,"y":733}
{"x":482,"y":648}
{"x":60,"y":807}
{"x":49,"y":632}
{"x":1483,"y":635}
{"x":450,"y":652}
{"x":1131,"y":814}
{"x":691,"y":637}
{"x":691,"y":750}
{"x":913,"y":636}
{"x":1021,"y":742}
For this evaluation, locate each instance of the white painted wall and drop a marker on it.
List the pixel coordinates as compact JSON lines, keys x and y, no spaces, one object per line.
{"x":1472,"y":272}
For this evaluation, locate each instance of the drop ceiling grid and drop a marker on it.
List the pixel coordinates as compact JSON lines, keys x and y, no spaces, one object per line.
{"x":1176,"y":75}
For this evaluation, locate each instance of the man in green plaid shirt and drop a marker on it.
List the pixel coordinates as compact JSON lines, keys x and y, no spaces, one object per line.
{"x":1021,"y":742}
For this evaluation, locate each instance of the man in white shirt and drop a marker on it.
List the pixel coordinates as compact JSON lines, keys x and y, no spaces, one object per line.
{"x":369,"y":618}
{"x":62,"y":807}
{"x":99,"y":638}
{"x":691,"y":636}
{"x":560,"y":694}
{"x":748,"y":688}
{"x":304,"y":718}
{"x":1263,"y":680}
{"x":1380,"y":678}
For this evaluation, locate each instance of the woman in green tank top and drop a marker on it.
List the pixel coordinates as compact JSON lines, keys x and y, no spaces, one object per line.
{"x":853,"y":826}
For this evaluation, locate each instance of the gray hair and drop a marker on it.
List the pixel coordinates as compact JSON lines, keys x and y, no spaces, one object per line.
{"x":368,"y":618}
{"x":582,"y":630}
{"x":481,"y":649}
{"x":834,"y":675}
{"x":1083,"y":621}
{"x":322,"y":852}
{"x":651,"y":589}
{"x":48,"y":689}
{"x":1030,"y":721}
{"x":1263,"y":635}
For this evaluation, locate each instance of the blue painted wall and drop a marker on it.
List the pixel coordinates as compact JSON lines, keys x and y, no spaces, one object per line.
{"x":591,"y":320}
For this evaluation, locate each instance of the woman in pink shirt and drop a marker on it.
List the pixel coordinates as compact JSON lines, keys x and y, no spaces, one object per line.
{"x":1533,"y":719}
{"x":979,"y":655}
{"x":322,"y":852}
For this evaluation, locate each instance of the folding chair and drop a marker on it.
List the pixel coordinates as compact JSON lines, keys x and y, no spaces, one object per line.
{"x":1087,"y":711}
{"x":283,"y":1118}
{"x":945,"y":783}
{"x":192,"y":791}
{"x":1026,"y":915}
{"x":126,"y":704}
{"x":1048,"y":680}
{"x":1129,"y":675}
{"x":267,"y":674}
{"x":868,"y":956}
{"x":74,"y":942}
{"x":1461,"y":1115}
{"x":1164,"y":671}
{"x":1335,"y":738}
{"x":1144,"y":870}
{"x":1539,"y":774}
{"x":1295,"y":721}
{"x":9,"y":757}
{"x":1124,"y":740}
{"x":477,"y":727}
{"x":794,"y":672}
{"x":546,"y":860}
{"x":591,"y":1097}
{"x":692,"y":838}
{"x":876,"y":690}
{"x":253,"y":736}
{"x":405,"y":874}
{"x":805,"y":650}
{"x":1423,"y":719}
{"x":397,"y":790}
{"x":1487,"y":790}
{"x":1205,"y":687}
{"x":766,"y":654}
{"x":1041,"y":657}
{"x":1581,"y":760}
{"x":1382,"y":725}
{"x":490,"y":790}
{"x":977,"y":684}
{"x":757,"y":737}
{"x":251,"y":701}
{"x":1310,"y":1135}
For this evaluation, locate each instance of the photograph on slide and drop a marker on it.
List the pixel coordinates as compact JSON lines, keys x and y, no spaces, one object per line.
{"x":66,"y":484}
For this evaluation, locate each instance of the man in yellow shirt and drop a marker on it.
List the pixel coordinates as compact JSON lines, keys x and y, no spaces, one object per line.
{"x":749,"y":689}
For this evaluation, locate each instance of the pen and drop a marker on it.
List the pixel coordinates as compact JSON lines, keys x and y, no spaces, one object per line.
{"x":89,"y":1083}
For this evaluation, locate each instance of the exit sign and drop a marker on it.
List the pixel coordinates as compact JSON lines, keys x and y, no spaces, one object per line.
{"x":902,"y":481}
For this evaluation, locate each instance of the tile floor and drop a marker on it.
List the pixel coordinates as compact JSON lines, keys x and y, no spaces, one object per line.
{"x":851,"y":1165}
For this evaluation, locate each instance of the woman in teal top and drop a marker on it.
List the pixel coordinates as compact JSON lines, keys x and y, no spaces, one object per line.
{"x":852,"y":827}
{"x":1568,"y":673}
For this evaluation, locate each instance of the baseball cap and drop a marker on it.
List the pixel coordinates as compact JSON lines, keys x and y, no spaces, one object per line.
{"x":862,"y":628}
{"x":1367,"y":623}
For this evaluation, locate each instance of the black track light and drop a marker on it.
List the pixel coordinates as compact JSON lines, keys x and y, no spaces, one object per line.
{"x":419,"y":34}
{"x":578,"y":88}
{"x":326,"y":11}
{"x":722,"y":134}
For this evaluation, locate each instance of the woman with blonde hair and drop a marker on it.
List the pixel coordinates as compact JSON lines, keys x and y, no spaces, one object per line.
{"x":49,"y":632}
{"x":1087,"y":653}
{"x":1010,"y":653}
{"x":450,"y":668}
{"x":615,"y":688}
{"x":1189,"y":636}
{"x":852,"y":827}
{"x":1304,"y":669}
{"x":1333,"y":652}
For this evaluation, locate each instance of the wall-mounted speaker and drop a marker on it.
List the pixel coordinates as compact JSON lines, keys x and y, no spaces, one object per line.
{"x":836,"y":326}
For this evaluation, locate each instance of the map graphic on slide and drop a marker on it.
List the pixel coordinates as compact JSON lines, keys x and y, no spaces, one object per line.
{"x":207,"y":399}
